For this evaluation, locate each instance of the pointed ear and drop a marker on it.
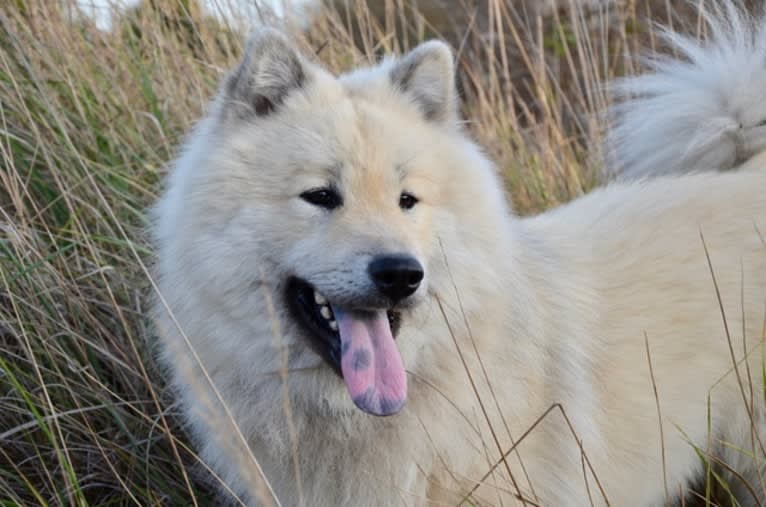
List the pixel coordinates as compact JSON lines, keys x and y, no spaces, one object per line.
{"x":427,"y":75}
{"x":271,"y":68}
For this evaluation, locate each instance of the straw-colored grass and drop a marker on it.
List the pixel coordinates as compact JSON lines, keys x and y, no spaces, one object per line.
{"x":88,"y":120}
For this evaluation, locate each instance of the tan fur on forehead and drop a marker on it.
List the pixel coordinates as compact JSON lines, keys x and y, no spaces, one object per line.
{"x":330,"y":126}
{"x":424,"y":79}
{"x":375,"y":89}
{"x":319,"y":126}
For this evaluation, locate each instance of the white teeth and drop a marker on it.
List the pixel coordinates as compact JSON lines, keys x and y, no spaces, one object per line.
{"x":324,"y":310}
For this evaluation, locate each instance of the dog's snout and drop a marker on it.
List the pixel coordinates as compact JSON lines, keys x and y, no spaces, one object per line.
{"x":396,"y":276}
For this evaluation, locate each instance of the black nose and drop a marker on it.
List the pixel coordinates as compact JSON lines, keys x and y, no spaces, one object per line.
{"x":396,"y":276}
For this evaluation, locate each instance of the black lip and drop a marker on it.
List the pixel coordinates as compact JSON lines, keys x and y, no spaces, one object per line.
{"x":299,"y":296}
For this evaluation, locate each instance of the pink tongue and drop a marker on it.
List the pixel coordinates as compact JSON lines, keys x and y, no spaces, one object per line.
{"x":371,"y":364}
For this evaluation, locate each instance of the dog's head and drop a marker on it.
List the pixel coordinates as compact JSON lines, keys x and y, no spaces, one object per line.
{"x":325,"y":204}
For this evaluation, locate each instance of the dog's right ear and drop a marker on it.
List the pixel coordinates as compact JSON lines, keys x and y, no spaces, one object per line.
{"x":271,"y":69}
{"x":427,"y":75}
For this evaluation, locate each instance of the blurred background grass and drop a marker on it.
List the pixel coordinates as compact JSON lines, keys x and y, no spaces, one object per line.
{"x":90,"y":116}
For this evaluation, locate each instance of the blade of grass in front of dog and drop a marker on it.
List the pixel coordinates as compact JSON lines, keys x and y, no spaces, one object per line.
{"x":659,"y":420}
{"x":734,"y":361}
{"x":720,"y":481}
{"x":754,"y":433}
{"x":526,"y":433}
{"x":708,"y":463}
{"x":470,"y":376}
{"x":703,"y":456}
{"x":707,"y":456}
{"x":757,"y":499}
{"x":276,"y":330}
{"x":503,"y":455}
{"x":481,"y":405}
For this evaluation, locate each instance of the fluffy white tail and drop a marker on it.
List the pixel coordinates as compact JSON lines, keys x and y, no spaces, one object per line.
{"x":704,"y":109}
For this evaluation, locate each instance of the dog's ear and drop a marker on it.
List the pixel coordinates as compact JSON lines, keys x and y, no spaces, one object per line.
{"x":271,"y":69}
{"x":427,"y":75}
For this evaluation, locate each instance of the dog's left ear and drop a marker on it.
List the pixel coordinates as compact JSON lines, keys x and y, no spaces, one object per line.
{"x":427,"y":75}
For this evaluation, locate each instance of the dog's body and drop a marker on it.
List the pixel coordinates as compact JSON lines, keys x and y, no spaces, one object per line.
{"x":699,"y":109}
{"x":298,"y":175}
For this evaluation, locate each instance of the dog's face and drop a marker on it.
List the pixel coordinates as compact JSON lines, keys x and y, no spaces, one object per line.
{"x":325,"y":204}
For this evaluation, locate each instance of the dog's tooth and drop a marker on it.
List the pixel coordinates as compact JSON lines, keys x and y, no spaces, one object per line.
{"x":319,"y":299}
{"x":333,"y":325}
{"x":325,"y":311}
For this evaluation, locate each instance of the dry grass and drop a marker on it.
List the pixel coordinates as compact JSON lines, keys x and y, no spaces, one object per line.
{"x":87,"y":121}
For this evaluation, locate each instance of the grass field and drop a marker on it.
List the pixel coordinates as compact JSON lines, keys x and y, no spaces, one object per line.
{"x":88,"y":120}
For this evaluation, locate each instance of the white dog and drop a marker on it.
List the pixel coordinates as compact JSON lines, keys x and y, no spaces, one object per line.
{"x":334,"y":249}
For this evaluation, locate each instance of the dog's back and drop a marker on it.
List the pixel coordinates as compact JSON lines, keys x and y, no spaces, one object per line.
{"x":675,"y":269}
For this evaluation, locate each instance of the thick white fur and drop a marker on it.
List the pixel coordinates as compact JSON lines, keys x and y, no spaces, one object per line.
{"x":558,"y":307}
{"x":702,"y":107}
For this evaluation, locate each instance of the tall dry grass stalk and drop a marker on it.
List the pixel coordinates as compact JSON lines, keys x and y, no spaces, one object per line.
{"x":89,"y":118}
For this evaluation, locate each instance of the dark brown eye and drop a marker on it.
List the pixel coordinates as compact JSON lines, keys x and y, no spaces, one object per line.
{"x":327,"y":198}
{"x":407,"y":200}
